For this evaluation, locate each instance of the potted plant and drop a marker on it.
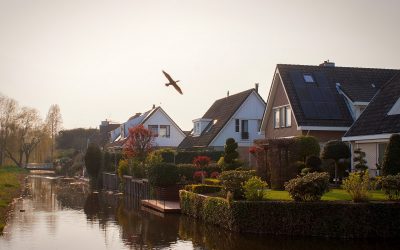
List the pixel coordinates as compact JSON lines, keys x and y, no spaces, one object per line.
{"x":164,"y":177}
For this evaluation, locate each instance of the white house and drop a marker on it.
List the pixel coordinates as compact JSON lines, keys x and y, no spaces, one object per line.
{"x":167,"y":133}
{"x":236,"y":116}
{"x":379,"y":121}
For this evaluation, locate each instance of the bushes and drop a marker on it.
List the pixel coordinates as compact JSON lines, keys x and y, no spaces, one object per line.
{"x":212,"y":181}
{"x":163,"y":175}
{"x":198,"y":176}
{"x":310,"y":187}
{"x":232,"y":181}
{"x":203,"y":188}
{"x":391,"y":160}
{"x":305,"y":146}
{"x":314,"y":163}
{"x":358,"y":185}
{"x":391,"y":186}
{"x":254,"y":189}
{"x":186,"y":171}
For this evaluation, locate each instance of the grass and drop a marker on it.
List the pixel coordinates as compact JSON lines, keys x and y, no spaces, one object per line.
{"x":332,"y":195}
{"x":10,"y":185}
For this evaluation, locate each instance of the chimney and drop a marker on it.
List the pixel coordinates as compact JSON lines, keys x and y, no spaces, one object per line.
{"x":327,"y":63}
{"x":227,"y":94}
{"x":154,"y":106}
{"x":256,"y":87}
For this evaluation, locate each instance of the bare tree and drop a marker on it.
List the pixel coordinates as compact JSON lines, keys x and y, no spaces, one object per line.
{"x":53,"y":122}
{"x":8,"y":116}
{"x":26,"y":131}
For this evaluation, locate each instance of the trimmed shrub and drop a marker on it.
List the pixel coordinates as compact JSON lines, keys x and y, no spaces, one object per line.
{"x":336,"y":150}
{"x":254,"y":189}
{"x":305,"y":146}
{"x":231,"y":155}
{"x":299,"y":166}
{"x":305,"y":171}
{"x":391,"y":186}
{"x":212,"y":181}
{"x":357,"y":185}
{"x":360,"y":164}
{"x":310,"y":187}
{"x":93,"y":160}
{"x":123,"y":168}
{"x":313,"y":163}
{"x":203,"y":188}
{"x":163,"y":175}
{"x":186,"y":171}
{"x":391,"y":160}
{"x":232,"y":181}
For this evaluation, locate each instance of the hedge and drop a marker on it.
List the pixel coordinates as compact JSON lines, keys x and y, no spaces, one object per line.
{"x":203,"y":188}
{"x":185,"y":157}
{"x":325,"y":219}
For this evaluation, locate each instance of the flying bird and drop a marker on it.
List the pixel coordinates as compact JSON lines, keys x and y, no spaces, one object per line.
{"x":172,"y":82}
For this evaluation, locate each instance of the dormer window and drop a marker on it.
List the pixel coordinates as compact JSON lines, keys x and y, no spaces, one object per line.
{"x":308,"y":78}
{"x":395,"y":110}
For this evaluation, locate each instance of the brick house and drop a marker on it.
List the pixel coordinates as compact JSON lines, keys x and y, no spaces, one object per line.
{"x":321,"y":101}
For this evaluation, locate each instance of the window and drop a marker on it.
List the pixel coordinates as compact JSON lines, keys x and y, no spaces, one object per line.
{"x":282,"y":117}
{"x":308,"y":78}
{"x":276,"y":118}
{"x":164,"y":131}
{"x":288,"y":118}
{"x":245,"y":130}
{"x":154,"y":130}
{"x":236,"y":125}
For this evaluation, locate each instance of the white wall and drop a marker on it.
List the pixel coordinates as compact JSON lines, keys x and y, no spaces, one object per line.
{"x":176,"y":136}
{"x":252,"y":110}
{"x":371,"y":149}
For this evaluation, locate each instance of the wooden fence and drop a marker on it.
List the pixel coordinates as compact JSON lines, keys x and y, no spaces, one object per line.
{"x":133,"y":187}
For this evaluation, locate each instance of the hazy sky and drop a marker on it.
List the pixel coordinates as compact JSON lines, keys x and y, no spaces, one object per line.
{"x":103,"y":59}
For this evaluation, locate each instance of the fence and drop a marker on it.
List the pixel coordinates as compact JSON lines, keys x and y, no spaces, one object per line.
{"x":110,"y":181}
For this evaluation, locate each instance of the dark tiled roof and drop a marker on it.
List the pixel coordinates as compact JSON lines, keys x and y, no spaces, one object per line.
{"x":222,"y":110}
{"x":375,"y":119}
{"x":356,"y":83}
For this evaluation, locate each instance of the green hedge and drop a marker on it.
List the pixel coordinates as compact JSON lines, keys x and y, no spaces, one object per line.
{"x":325,"y":219}
{"x":203,"y":188}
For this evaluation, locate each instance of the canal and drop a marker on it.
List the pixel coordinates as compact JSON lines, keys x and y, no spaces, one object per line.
{"x":64,"y":214}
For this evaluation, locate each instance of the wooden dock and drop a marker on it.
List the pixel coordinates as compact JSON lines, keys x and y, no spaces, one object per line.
{"x":162,"y":206}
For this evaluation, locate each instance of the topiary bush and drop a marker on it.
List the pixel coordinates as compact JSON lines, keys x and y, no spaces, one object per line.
{"x":310,"y":187}
{"x":232,"y":181}
{"x":336,"y":150}
{"x":391,"y":160}
{"x":357,"y":185}
{"x":313,"y":163}
{"x":203,"y":188}
{"x":360,"y":164}
{"x":163,"y":175}
{"x":254,"y":189}
{"x":305,"y":146}
{"x":391,"y":186}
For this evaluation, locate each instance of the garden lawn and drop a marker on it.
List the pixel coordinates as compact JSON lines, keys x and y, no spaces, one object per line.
{"x":333,"y":195}
{"x":10,"y":186}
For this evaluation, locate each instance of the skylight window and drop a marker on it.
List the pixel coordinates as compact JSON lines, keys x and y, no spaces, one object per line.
{"x":308,"y":78}
{"x":395,"y":110}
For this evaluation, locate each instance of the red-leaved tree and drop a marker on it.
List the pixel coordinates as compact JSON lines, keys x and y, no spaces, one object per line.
{"x":139,"y":143}
{"x":201,"y":162}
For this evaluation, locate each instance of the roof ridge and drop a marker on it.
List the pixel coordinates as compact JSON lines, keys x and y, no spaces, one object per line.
{"x":341,"y":67}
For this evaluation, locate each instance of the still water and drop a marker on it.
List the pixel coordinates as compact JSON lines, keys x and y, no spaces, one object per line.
{"x":64,"y":214}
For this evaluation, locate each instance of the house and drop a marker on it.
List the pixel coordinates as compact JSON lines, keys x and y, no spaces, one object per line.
{"x":235,"y":116}
{"x":167,"y":133}
{"x":381,"y":119}
{"x":321,"y":101}
{"x":105,"y":128}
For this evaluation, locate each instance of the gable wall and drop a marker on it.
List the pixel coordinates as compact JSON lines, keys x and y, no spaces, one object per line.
{"x":176,"y":137}
{"x":280,"y":99}
{"x":252,"y":110}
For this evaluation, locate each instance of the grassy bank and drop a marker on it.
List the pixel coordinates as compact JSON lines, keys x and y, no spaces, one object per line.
{"x":10,"y":186}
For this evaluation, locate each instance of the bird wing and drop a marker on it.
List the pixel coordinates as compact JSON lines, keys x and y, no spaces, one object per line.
{"x":168,"y":77}
{"x":177,"y":88}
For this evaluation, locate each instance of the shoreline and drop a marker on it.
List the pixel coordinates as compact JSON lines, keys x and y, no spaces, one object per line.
{"x":11,"y":188}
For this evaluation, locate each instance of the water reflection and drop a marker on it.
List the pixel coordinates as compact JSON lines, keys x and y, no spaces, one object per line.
{"x":64,"y":214}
